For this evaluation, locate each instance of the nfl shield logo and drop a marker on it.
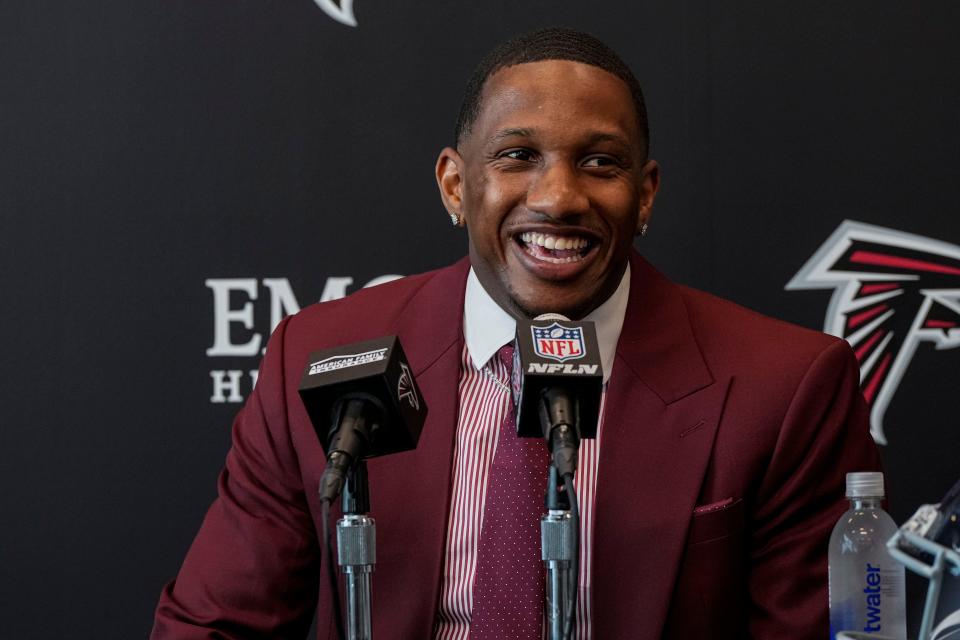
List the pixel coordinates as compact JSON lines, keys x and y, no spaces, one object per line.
{"x":558,"y":343}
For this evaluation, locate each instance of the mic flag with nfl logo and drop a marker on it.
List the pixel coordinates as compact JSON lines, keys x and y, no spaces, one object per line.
{"x":557,"y":342}
{"x":554,"y":352}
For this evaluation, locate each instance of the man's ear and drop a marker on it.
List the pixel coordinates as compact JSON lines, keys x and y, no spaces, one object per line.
{"x":449,"y":173}
{"x":649,"y":185}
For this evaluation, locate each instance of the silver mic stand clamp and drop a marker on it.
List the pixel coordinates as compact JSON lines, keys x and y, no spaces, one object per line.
{"x":357,"y":551}
{"x":556,"y":551}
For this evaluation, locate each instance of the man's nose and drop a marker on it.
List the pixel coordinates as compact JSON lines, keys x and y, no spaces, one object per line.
{"x":557,"y":192}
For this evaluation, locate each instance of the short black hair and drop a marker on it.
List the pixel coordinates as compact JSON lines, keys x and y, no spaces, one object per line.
{"x":551,"y":43}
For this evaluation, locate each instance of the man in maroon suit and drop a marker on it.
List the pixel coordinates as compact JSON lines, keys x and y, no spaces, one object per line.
{"x":726,"y":434}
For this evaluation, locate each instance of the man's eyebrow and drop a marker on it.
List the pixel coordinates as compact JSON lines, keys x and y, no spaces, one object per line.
{"x":591,"y":138}
{"x":507,"y":133}
{"x":603,"y":136}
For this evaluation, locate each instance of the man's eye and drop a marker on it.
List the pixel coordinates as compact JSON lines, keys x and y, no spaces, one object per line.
{"x":518,"y":154}
{"x":600,"y":161}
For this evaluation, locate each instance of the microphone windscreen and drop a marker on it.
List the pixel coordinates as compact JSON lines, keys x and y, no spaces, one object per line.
{"x":376,"y":370}
{"x":553,"y":352}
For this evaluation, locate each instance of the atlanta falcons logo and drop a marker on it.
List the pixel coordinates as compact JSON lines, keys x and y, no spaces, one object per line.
{"x":405,"y":389}
{"x":342,"y":12}
{"x":892,"y":290}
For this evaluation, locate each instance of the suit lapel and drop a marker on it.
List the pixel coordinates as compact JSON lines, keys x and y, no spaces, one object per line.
{"x":663,"y":407}
{"x":411,"y":491}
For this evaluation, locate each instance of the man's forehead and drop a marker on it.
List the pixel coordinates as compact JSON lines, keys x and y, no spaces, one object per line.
{"x":515,"y":96}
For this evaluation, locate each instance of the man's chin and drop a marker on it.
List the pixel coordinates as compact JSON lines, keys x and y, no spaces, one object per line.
{"x":539,"y":303}
{"x":525,"y":294}
{"x":574,"y":299}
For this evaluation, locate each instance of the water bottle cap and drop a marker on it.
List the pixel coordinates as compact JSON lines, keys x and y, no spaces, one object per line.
{"x":865,"y":484}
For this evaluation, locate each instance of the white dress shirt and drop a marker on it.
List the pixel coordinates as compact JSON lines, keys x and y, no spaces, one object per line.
{"x":484,"y":399}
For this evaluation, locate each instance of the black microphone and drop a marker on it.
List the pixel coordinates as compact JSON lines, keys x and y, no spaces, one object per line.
{"x":557,"y":385}
{"x":363,"y":403}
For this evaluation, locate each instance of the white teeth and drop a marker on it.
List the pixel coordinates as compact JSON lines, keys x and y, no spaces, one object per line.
{"x":548,"y":241}
{"x":560,"y":260}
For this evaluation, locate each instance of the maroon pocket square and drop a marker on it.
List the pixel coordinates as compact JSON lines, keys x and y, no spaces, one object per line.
{"x":719,"y":519}
{"x":714,"y":506}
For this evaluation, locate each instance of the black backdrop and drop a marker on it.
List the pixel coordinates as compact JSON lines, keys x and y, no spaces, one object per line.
{"x":153,"y":153}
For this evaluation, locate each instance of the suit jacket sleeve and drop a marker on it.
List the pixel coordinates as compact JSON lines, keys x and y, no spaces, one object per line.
{"x":252,"y":569}
{"x":825,"y":434}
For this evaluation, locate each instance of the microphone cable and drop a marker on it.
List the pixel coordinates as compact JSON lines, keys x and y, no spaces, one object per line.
{"x":331,"y":571}
{"x":575,"y":561}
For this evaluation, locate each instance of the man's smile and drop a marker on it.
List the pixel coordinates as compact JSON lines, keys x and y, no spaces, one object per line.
{"x":555,"y":255}
{"x":554,"y":248}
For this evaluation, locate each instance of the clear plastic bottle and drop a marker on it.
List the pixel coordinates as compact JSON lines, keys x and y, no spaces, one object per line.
{"x":866,"y":583}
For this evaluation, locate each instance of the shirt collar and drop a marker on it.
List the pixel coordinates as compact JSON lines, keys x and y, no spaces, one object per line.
{"x":487,"y":327}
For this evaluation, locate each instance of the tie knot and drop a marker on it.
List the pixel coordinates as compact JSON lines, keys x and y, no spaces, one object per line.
{"x":505,"y":354}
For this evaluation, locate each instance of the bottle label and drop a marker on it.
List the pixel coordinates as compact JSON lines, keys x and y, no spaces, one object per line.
{"x":883,"y":595}
{"x":873,"y":590}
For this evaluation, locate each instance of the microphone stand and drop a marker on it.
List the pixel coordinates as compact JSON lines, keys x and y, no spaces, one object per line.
{"x":357,"y":551}
{"x":557,"y":549}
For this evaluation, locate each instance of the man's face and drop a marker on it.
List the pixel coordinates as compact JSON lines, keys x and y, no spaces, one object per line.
{"x":552,"y":186}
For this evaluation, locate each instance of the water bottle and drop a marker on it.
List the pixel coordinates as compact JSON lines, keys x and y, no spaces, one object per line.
{"x":866,"y":583}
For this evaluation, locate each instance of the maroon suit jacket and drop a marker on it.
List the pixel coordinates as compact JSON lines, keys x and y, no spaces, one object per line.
{"x":726,"y":439}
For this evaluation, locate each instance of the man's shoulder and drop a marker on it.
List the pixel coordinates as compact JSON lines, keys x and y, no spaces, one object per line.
{"x":729,"y":332}
{"x":774,"y":366}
